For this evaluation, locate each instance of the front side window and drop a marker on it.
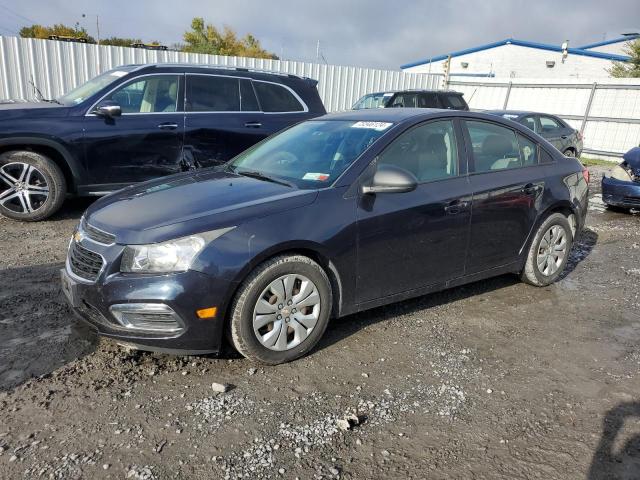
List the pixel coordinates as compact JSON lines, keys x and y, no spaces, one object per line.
{"x":151,"y":94}
{"x":276,"y":98}
{"x":210,"y":93}
{"x":549,"y":125}
{"x":373,"y":100}
{"x":494,"y":147}
{"x":311,"y":154}
{"x":429,"y":151}
{"x":428,"y":100}
{"x":406,"y":100}
{"x":93,"y":86}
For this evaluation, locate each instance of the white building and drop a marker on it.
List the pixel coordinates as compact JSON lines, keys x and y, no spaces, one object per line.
{"x":512,"y":58}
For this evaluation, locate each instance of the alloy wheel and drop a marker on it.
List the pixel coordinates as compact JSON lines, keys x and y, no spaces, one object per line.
{"x":23,"y":188}
{"x":552,"y":250}
{"x":286,"y":312}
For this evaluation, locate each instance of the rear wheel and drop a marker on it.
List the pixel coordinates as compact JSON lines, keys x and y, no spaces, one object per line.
{"x":569,"y":153}
{"x":549,"y":251}
{"x":282,"y":310}
{"x":32,"y":187}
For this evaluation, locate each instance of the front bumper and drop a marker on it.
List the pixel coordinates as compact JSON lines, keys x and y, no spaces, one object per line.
{"x":181,"y":293}
{"x":620,"y":193}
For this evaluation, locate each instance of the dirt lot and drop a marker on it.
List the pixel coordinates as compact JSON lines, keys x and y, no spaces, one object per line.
{"x":492,"y":380}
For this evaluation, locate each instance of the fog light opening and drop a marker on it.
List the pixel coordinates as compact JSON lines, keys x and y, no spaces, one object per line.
{"x":147,"y":317}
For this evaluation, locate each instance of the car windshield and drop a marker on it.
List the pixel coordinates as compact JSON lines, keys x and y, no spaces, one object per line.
{"x":311,"y":154}
{"x":373,"y":100}
{"x":93,"y":86}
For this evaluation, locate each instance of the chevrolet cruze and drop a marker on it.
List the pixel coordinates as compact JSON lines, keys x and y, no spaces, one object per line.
{"x":330,"y":217}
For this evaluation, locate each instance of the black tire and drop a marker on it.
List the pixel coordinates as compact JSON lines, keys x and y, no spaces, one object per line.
{"x":46,"y":172}
{"x":569,"y":153}
{"x":244,"y":338}
{"x":532,"y":273}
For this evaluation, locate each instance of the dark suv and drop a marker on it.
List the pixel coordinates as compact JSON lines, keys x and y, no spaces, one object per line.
{"x":136,"y":123}
{"x":446,"y":99}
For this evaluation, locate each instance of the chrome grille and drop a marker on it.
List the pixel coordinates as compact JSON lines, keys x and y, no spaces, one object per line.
{"x":97,"y":235}
{"x":84,"y":263}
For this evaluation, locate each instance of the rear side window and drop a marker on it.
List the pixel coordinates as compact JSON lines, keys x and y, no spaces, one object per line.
{"x":276,"y":98}
{"x":549,"y":125}
{"x":454,"y":101}
{"x":209,"y":93}
{"x":528,"y":151}
{"x":428,"y":100}
{"x":494,"y":147}
{"x":248,"y":100}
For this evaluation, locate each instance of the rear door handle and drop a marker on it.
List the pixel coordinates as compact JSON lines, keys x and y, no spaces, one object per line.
{"x":456,"y":206}
{"x":564,"y":137}
{"x":168,"y":126}
{"x":253,"y":124}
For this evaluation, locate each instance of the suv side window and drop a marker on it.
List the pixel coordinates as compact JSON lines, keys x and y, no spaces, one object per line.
{"x":404,"y":100}
{"x":248,"y":100}
{"x":494,"y":147}
{"x":529,"y":122}
{"x":150,"y":94}
{"x":428,"y":100}
{"x":455,"y":102}
{"x":549,"y":125}
{"x":429,"y":151}
{"x":276,"y":98}
{"x":211,"y":93}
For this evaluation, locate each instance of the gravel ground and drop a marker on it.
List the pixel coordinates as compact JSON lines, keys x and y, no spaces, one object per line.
{"x":492,"y":380}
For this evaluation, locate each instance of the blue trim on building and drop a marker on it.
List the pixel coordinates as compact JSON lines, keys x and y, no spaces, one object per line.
{"x":520,"y":43}
{"x":628,"y":38}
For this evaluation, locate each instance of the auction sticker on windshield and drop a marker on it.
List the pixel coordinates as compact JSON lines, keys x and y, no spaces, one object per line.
{"x":378,"y":126}
{"x":319,"y":177}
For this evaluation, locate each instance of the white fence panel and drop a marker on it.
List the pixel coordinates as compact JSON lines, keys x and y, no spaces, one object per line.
{"x":57,"y":67}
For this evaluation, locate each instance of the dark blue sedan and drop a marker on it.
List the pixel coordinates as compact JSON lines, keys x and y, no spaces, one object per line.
{"x":330,"y":217}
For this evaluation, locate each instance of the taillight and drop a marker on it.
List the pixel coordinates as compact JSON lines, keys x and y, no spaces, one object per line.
{"x":585,"y":174}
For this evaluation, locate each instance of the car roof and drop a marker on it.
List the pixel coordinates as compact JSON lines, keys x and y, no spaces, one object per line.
{"x":210,"y":68}
{"x":417,"y":90}
{"x":397,"y":115}
{"x":519,"y":113}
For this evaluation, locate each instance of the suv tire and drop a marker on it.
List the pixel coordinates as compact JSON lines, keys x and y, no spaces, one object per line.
{"x":281,"y":310}
{"x":32,"y":186}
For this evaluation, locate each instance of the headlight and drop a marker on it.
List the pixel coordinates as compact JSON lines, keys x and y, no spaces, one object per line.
{"x":620,"y":173}
{"x":171,"y":256}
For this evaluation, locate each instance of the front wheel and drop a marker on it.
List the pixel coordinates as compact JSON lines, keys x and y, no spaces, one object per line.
{"x":549,"y":251}
{"x":32,"y":186}
{"x":281,"y":310}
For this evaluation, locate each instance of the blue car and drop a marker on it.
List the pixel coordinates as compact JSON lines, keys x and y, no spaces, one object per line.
{"x":330,"y":217}
{"x":621,"y":187}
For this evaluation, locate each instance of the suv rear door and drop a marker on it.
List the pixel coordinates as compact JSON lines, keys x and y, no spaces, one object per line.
{"x":281,"y":105}
{"x":145,"y":141}
{"x":554,"y":132}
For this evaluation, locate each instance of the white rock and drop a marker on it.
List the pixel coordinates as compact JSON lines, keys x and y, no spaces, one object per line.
{"x":220,"y":387}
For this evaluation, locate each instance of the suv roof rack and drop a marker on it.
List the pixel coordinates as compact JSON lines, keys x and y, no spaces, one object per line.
{"x":220,"y":67}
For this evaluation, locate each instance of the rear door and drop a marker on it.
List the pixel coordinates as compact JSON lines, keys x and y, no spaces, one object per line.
{"x":411,"y":240}
{"x":281,"y":105}
{"x":553,"y":131}
{"x":145,"y":141}
{"x":222,"y":118}
{"x":507,"y":182}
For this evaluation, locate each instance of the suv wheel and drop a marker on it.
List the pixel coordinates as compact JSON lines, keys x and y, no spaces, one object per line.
{"x":32,"y":187}
{"x":549,"y":251}
{"x":569,"y":153}
{"x":282,"y":310}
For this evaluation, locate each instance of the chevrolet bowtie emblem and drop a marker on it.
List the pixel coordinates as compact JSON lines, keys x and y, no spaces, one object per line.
{"x":78,"y":237}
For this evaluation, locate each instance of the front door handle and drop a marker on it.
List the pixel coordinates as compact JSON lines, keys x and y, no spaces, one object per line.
{"x":530,"y":189}
{"x":456,"y":206}
{"x":168,"y":126}
{"x":564,"y":137}
{"x":253,"y":125}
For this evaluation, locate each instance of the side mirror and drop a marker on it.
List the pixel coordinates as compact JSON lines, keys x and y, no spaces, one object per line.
{"x":391,"y":179}
{"x":108,"y":109}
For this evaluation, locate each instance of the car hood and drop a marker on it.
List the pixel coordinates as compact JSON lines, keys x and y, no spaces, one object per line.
{"x":10,"y":109}
{"x":632,"y":158}
{"x":189,"y":203}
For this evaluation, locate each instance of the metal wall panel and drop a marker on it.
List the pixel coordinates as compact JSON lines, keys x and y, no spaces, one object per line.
{"x":57,"y":67}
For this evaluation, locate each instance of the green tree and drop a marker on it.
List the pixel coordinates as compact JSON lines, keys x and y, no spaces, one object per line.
{"x":119,"y":42}
{"x":41,"y":31}
{"x":208,"y":39}
{"x":630,"y":68}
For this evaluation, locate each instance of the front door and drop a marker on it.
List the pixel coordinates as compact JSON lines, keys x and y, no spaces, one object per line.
{"x":410,"y":240}
{"x":507,"y":184}
{"x":145,"y":141}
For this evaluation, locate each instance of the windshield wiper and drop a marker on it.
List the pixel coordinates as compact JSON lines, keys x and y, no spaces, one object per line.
{"x":262,"y":176}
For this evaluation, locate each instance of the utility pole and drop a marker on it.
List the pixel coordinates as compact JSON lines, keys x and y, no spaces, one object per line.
{"x":447,"y":69}
{"x":84,"y":15}
{"x":318,"y":52}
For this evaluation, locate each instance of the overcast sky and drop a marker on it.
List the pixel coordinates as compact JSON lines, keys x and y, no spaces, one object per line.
{"x":373,"y":33}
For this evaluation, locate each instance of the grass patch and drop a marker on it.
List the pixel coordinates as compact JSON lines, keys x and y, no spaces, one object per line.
{"x":592,"y":162}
